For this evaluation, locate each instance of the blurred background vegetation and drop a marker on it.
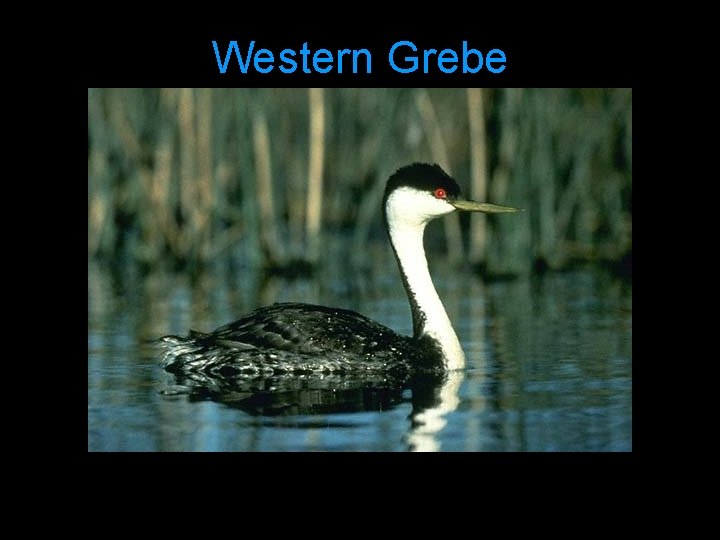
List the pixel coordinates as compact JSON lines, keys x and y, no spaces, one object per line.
{"x":182,"y":177}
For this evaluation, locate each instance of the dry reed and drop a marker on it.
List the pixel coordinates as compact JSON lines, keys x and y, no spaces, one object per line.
{"x":185,"y":175}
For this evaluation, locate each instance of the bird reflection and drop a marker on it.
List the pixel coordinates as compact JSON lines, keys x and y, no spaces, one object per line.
{"x":431,"y":395}
{"x":431,"y":405}
{"x":293,"y":394}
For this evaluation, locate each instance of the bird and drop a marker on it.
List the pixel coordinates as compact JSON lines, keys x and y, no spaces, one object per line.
{"x":300,"y":339}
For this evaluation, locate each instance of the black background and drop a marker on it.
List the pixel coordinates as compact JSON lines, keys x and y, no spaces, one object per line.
{"x":155,"y":56}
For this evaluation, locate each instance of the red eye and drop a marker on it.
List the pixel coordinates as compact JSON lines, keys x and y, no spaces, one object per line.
{"x":440,"y":193}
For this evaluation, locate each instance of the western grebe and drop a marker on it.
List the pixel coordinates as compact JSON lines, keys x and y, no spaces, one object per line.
{"x":303,"y":338}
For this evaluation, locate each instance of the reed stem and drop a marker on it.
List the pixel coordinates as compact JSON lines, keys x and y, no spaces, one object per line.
{"x":315,"y":172}
{"x":478,"y":173}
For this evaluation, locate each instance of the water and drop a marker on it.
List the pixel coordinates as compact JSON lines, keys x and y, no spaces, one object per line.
{"x":549,"y":366}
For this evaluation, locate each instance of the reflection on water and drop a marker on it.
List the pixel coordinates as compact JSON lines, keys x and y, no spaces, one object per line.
{"x":432,"y":397}
{"x":292,"y":394}
{"x":549,"y":366}
{"x":429,"y":415}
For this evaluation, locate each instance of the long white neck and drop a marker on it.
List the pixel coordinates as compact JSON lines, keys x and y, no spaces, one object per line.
{"x":429,"y":315}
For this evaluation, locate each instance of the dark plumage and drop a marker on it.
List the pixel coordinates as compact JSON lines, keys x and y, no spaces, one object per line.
{"x":422,"y":176}
{"x":300,"y":338}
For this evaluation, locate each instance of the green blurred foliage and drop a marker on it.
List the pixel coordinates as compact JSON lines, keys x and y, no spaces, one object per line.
{"x":179,"y":174}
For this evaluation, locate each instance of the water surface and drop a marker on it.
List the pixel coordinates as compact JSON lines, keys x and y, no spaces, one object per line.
{"x":549,"y":365}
